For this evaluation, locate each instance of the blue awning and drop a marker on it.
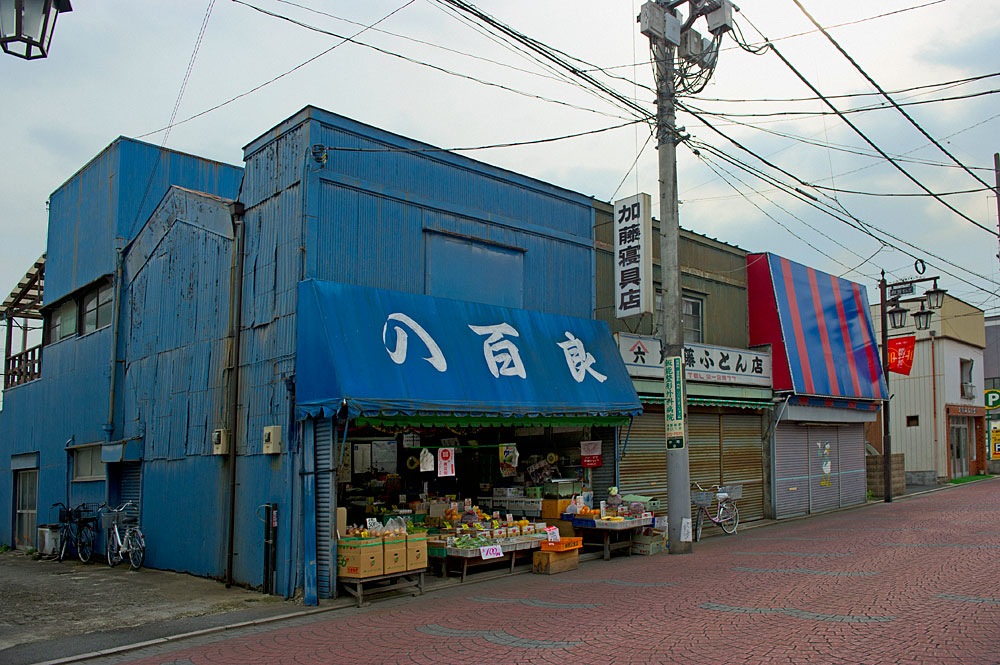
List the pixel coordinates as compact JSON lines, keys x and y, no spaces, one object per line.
{"x":388,"y":353}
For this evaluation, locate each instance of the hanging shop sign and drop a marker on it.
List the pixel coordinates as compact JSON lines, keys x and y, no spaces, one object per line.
{"x":673,"y":402}
{"x":642,"y":355}
{"x":633,"y":257}
{"x":590,"y":454}
{"x":901,"y":354}
{"x":508,"y":459}
{"x":446,"y":462}
{"x":721,"y":364}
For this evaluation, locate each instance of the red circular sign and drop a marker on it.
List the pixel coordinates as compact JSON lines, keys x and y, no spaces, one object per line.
{"x":445,"y":454}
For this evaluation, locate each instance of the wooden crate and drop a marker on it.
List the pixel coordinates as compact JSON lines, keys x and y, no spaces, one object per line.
{"x":550,"y":563}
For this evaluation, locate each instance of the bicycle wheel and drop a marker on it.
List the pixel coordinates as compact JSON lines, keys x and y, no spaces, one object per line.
{"x":136,"y":549}
{"x":113,"y":555}
{"x":729,"y":517}
{"x":65,"y":533}
{"x":85,"y":543}
{"x":698,"y":522}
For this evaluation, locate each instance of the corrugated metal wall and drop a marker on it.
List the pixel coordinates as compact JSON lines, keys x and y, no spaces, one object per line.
{"x":791,"y":460}
{"x":326,"y":573}
{"x":742,"y":462}
{"x":819,"y":468}
{"x":643,"y":465}
{"x":824,"y":468}
{"x":853,"y":476}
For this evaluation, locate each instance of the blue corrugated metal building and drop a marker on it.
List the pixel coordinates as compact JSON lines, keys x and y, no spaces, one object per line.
{"x":205,"y":316}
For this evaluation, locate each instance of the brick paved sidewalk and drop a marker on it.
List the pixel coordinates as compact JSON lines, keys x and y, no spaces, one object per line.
{"x":912,"y":582}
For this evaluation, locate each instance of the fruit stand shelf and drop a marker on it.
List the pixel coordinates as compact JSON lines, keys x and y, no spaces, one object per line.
{"x":404,"y":580}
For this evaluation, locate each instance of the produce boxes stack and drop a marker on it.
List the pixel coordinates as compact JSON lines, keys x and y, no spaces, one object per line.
{"x":416,"y":551}
{"x":360,"y":557}
{"x":650,"y":541}
{"x":395,"y":553}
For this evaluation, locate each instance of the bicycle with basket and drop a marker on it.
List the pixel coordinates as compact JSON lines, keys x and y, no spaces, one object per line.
{"x":727,"y":515}
{"x":76,"y":529}
{"x":124,"y":537}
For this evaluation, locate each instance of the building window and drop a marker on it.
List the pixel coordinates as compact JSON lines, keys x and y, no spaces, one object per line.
{"x":692,"y":317}
{"x":63,"y":321}
{"x":96,"y":309}
{"x":913,"y":421}
{"x":87,"y":464}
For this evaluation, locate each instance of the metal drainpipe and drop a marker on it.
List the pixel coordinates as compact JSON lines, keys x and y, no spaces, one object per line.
{"x":109,"y":427}
{"x":236,"y":209}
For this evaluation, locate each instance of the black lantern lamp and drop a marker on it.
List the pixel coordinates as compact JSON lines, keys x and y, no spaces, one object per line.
{"x":922,"y":319}
{"x":935,"y":296}
{"x":897,"y":314}
{"x":26,"y":26}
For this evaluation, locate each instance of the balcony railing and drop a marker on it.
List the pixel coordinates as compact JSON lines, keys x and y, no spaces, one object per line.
{"x":23,"y":367}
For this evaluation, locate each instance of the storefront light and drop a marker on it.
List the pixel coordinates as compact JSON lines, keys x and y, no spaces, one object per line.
{"x":922,"y":319}
{"x":897,"y":315}
{"x":26,"y":26}
{"x":935,"y":297}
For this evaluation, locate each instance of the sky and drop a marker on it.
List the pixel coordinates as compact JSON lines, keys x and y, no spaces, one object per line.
{"x":116,"y":68}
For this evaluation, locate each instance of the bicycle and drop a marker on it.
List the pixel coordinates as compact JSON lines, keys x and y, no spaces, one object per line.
{"x":76,"y":527}
{"x":727,"y":515}
{"x":124,"y":537}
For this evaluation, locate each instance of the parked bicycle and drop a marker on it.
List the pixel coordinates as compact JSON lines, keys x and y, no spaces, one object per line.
{"x":727,"y":515}
{"x":76,"y":529}
{"x":125,"y":539}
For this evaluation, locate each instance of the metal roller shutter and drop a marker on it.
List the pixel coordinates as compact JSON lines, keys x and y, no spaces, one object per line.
{"x":643,"y":465}
{"x":323,"y":433}
{"x":130,"y":483}
{"x":791,"y":461}
{"x":604,"y":476}
{"x":742,"y":461}
{"x":824,"y":471}
{"x":853,"y":480}
{"x":703,"y":432}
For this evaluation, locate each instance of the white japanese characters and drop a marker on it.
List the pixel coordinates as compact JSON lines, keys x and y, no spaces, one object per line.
{"x":500,"y":351}
{"x":502,"y":356}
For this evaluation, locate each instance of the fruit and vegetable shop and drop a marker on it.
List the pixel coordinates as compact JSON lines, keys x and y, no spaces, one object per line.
{"x":454,"y":437}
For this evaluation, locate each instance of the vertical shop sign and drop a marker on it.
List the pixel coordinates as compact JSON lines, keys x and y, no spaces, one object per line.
{"x":590,"y":454}
{"x":901,"y":354}
{"x":446,"y":462}
{"x":632,"y":226}
{"x":673,"y":402}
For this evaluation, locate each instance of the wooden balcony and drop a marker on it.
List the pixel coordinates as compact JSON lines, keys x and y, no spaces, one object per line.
{"x":23,"y":367}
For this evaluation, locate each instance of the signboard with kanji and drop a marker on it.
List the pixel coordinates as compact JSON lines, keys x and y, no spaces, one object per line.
{"x":642,"y":354}
{"x":720,"y":364}
{"x":673,"y":402}
{"x":633,"y":257}
{"x":901,"y":354}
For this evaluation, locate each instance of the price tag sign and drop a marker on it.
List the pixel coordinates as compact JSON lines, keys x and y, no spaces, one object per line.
{"x":510,"y":517}
{"x":491,"y":552}
{"x":496,"y":514}
{"x":468,"y":504}
{"x":454,"y":505}
{"x":552,"y":533}
{"x":371,"y":522}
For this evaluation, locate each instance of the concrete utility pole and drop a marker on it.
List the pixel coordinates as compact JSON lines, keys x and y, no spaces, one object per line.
{"x":996,"y":173}
{"x":660,"y":22}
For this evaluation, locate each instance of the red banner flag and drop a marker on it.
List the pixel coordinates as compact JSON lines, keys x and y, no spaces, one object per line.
{"x":901,"y":354}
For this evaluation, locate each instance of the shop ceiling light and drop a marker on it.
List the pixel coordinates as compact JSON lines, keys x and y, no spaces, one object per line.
{"x":26,"y":26}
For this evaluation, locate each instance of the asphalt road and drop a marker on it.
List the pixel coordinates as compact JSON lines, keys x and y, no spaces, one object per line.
{"x":910,"y":582}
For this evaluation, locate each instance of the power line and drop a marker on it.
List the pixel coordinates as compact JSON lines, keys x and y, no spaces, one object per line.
{"x":302,"y":64}
{"x":885,"y":94}
{"x":867,"y":140}
{"x":634,"y":162}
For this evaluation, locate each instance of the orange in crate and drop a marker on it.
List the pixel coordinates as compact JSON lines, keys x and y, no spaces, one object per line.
{"x":562,"y":545}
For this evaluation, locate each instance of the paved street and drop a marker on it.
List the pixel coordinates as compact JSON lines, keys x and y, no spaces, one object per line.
{"x":913,"y":582}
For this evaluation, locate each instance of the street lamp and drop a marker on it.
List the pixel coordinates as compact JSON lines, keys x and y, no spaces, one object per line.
{"x":896,"y":316}
{"x":26,"y":26}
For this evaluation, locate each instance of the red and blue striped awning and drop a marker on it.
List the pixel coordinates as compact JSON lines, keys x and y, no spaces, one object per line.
{"x":819,"y":327}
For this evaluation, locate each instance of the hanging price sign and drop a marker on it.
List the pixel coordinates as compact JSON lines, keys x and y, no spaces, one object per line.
{"x":491,"y":552}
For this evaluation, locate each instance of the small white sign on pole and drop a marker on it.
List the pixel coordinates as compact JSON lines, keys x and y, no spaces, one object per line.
{"x":685,"y":529}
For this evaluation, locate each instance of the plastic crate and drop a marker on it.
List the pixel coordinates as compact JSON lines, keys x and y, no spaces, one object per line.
{"x":562,"y":545}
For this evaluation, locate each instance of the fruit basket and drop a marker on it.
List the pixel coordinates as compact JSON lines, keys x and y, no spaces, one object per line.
{"x":562,"y":545}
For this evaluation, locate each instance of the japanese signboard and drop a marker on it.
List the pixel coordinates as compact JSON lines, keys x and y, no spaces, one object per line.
{"x":641,"y":354}
{"x":673,"y":402}
{"x":901,"y":354}
{"x":720,"y":364}
{"x":633,"y":257}
{"x":995,"y":443}
{"x":590,"y":454}
{"x":446,"y":462}
{"x":992,"y":399}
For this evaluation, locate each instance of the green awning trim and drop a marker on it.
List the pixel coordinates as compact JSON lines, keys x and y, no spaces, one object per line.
{"x":712,"y":401}
{"x":484,"y":421}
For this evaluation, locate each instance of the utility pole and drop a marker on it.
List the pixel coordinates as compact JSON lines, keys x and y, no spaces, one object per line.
{"x":660,"y":22}
{"x":996,"y":173}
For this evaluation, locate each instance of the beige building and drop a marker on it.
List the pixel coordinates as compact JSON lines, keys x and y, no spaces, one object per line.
{"x":937,"y":414}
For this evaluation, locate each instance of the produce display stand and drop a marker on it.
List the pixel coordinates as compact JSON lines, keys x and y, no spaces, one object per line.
{"x":587,"y":526}
{"x":472,"y":557}
{"x":404,"y":580}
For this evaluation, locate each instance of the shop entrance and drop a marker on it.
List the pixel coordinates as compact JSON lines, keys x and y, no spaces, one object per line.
{"x":26,"y":508}
{"x":958,"y":443}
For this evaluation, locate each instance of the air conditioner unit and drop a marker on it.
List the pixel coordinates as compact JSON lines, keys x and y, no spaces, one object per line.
{"x":272,"y":440}
{"x":968,"y":391}
{"x":220,"y":442}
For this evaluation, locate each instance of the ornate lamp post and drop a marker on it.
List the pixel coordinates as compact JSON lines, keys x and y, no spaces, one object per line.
{"x":26,"y":26}
{"x":896,"y":317}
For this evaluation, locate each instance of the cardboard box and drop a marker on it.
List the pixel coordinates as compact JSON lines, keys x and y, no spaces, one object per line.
{"x":553,"y":508}
{"x":416,"y":551}
{"x":341,"y":523}
{"x":565,"y":527}
{"x":395,"y":554}
{"x":550,"y":563}
{"x":359,"y":557}
{"x":650,"y":543}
